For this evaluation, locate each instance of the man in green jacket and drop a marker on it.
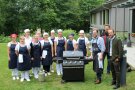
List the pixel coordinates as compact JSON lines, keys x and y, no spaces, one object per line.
{"x":116,"y":53}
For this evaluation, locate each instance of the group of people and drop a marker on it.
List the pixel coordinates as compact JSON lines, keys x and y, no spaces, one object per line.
{"x":107,"y":44}
{"x":34,"y":52}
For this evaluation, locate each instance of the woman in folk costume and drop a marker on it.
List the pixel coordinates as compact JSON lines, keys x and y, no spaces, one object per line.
{"x":97,"y":50}
{"x":36,"y":54}
{"x":28,"y":38}
{"x":83,"y":43}
{"x":52,"y":38}
{"x":12,"y":57}
{"x":47,"y":49}
{"x":60,"y":46}
{"x":71,"y":43}
{"x":24,"y":60}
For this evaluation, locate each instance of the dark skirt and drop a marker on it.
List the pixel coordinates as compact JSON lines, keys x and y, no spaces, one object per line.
{"x":26,"y":65}
{"x":96,"y":64}
{"x":36,"y":62}
{"x":60,"y":51}
{"x":48,"y":60}
{"x":13,"y":61}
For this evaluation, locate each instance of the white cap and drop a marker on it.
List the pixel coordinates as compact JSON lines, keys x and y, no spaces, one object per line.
{"x":27,"y":30}
{"x":81,"y":31}
{"x":59,"y":30}
{"x":52,"y":31}
{"x":39,"y":29}
{"x":45,"y":33}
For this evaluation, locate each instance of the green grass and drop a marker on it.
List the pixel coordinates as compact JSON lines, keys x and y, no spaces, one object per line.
{"x":53,"y":82}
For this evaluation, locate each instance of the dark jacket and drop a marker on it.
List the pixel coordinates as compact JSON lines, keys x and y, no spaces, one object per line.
{"x":106,"y":40}
{"x":117,"y":49}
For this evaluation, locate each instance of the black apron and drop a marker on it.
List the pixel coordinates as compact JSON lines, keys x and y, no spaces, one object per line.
{"x":60,"y":47}
{"x":82,"y":46}
{"x":70,"y":45}
{"x":13,"y":57}
{"x":26,"y":65}
{"x":96,"y":50}
{"x":52,"y":39}
{"x":48,"y":59}
{"x":36,"y":53}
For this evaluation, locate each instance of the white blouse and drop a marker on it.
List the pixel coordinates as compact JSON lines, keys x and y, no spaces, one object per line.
{"x":86,"y":40}
{"x":57,"y":38}
{"x":9,"y":44}
{"x":42,"y":42}
{"x":18,"y":46}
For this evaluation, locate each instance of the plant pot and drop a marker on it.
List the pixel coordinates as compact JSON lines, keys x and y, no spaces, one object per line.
{"x":133,"y":34}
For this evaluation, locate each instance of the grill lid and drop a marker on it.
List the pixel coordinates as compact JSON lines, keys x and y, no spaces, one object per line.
{"x":73,"y":54}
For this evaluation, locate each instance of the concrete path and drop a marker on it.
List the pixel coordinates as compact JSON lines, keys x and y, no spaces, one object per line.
{"x":130,"y":56}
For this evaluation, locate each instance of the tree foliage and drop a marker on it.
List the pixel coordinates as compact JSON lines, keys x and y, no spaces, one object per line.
{"x":16,"y":15}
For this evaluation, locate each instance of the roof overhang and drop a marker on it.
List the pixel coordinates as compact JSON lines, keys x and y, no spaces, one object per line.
{"x":127,"y":4}
{"x":108,"y":5}
{"x":104,"y":6}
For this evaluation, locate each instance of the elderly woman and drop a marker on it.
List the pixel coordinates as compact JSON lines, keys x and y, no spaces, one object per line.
{"x":24,"y":61}
{"x":35,"y":55}
{"x":47,"y":53}
{"x":60,"y":46}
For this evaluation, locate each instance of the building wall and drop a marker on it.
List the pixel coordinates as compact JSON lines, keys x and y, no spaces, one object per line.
{"x":119,"y":18}
{"x":112,"y":18}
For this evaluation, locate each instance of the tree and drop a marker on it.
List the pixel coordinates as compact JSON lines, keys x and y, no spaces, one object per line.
{"x":16,"y":15}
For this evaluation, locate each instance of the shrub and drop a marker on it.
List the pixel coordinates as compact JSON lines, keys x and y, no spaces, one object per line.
{"x":66,"y":32}
{"x":4,"y":39}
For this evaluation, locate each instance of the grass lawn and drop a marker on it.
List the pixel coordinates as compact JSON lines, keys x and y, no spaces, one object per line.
{"x":53,"y":82}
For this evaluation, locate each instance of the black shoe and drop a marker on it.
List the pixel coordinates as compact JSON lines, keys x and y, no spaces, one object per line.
{"x":116,"y":87}
{"x":113,"y":83}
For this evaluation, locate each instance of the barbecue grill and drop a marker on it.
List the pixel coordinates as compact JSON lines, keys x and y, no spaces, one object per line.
{"x":73,"y":63}
{"x":73,"y":66}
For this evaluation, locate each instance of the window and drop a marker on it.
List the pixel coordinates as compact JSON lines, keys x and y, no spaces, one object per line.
{"x":133,"y":21}
{"x":106,"y":17}
{"x":93,"y":18}
{"x":101,"y":18}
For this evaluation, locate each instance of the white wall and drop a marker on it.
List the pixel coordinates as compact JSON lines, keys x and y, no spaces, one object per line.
{"x":120,"y":19}
{"x":98,"y":18}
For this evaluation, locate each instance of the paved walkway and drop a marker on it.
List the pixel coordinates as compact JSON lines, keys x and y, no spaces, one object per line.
{"x":130,"y":56}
